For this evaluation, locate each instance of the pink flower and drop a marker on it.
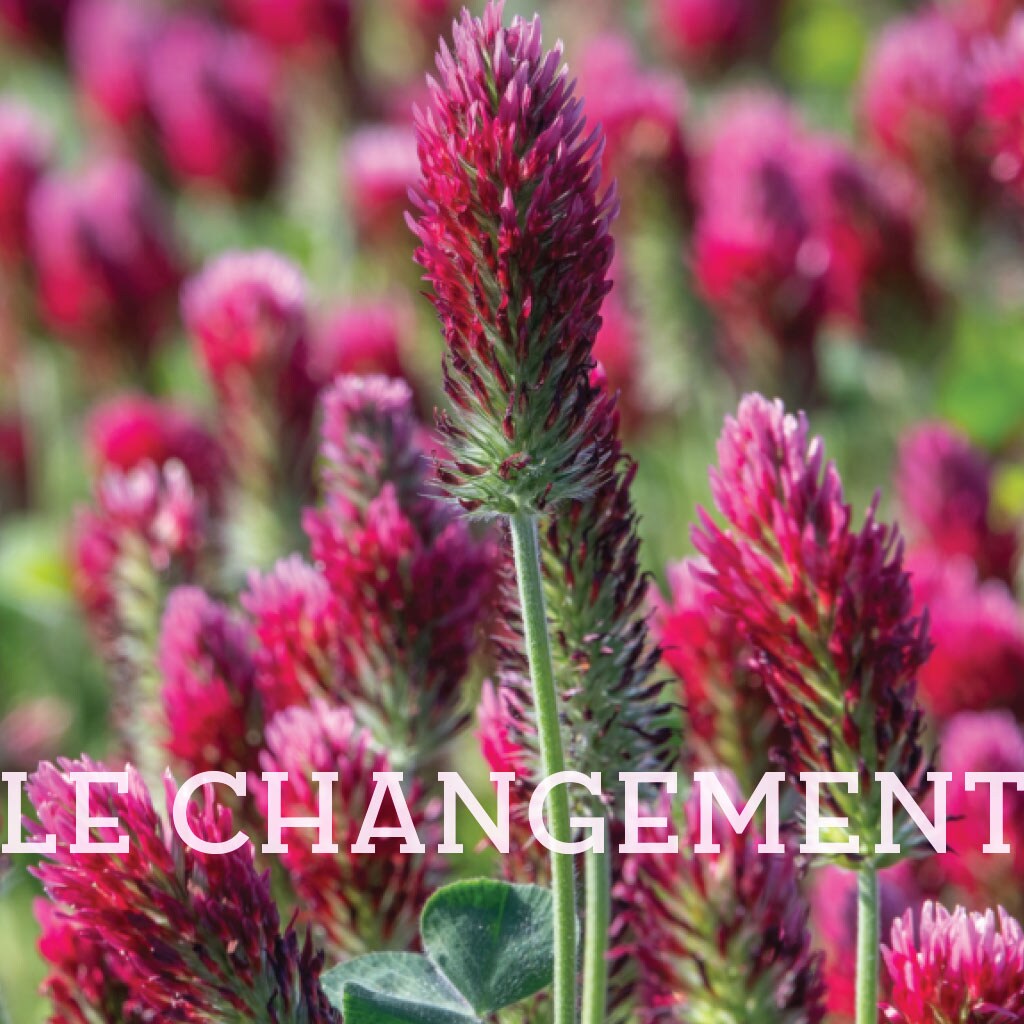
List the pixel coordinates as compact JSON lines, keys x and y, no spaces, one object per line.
{"x":147,"y":520}
{"x":868,"y":216}
{"x":295,"y":620}
{"x":945,"y":489}
{"x":833,"y":897}
{"x":710,"y":930}
{"x":24,"y":155}
{"x":757,"y":258}
{"x":987,"y":741}
{"x":108,"y":46}
{"x":299,"y":25}
{"x":247,"y":312}
{"x":731,"y":720}
{"x":827,"y":609}
{"x":1000,"y":73}
{"x":36,"y":21}
{"x":917,"y":98}
{"x":711,"y":33}
{"x":206,"y":662}
{"x":131,"y":429}
{"x":514,"y":239}
{"x":957,"y":967}
{"x":197,"y":935}
{"x":364,"y":338}
{"x":378,"y":168}
{"x":107,"y":263}
{"x":361,"y":903}
{"x":32,"y":731}
{"x":980,"y":18}
{"x":641,"y":114}
{"x":214,"y":96}
{"x":978,"y":631}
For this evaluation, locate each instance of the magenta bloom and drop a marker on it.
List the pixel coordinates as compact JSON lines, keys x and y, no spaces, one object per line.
{"x":366,"y":338}
{"x":711,"y":33}
{"x":36,"y":21}
{"x":214,"y":96}
{"x":987,"y":741}
{"x":917,"y":99}
{"x":127,"y":431}
{"x":147,"y":518}
{"x":514,"y":241}
{"x":868,"y":216}
{"x":206,"y":662}
{"x":1000,"y":72}
{"x":945,"y":489}
{"x":833,"y":897}
{"x":731,"y":721}
{"x":757,"y":258}
{"x":24,"y":155}
{"x":106,"y":260}
{"x":360,"y":903}
{"x":978,"y":631}
{"x":388,"y":618}
{"x":196,"y":936}
{"x":378,"y":168}
{"x":641,"y":115}
{"x":298,"y":25}
{"x":828,"y":609}
{"x":982,"y":18}
{"x":108,"y":48}
{"x":958,"y":966}
{"x":247,"y":312}
{"x":717,"y":930}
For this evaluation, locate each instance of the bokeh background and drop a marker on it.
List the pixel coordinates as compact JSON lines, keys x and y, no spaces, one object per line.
{"x":821,"y":200}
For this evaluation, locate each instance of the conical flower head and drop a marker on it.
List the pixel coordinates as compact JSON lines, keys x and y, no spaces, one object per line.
{"x":196,"y":936}
{"x":514,"y":240}
{"x":828,"y":609}
{"x":957,"y":966}
{"x":360,"y":903}
{"x":717,"y":937}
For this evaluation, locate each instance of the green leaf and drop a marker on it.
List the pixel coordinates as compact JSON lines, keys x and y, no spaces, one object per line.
{"x":361,"y":1005}
{"x":492,"y":940}
{"x":404,"y":981}
{"x":488,"y":945}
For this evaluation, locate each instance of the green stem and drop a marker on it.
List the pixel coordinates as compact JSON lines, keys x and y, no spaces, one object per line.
{"x":595,"y":940}
{"x":867,"y":944}
{"x":542,"y":675}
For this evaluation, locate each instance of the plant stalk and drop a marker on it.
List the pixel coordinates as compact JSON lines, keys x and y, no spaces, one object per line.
{"x":542,"y":676}
{"x":598,"y":882}
{"x":867,"y":944}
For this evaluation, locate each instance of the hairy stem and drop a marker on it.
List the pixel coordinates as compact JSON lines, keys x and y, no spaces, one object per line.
{"x":867,"y":944}
{"x":595,"y":939}
{"x":542,"y":676}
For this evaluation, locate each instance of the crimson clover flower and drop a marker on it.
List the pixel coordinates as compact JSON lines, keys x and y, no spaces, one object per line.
{"x":195,"y":937}
{"x":214,"y":99}
{"x":917,"y":94}
{"x":360,"y":903}
{"x":982,"y":741}
{"x":730,"y":718}
{"x":24,"y":155}
{"x":106,"y":260}
{"x":369,"y":338}
{"x":721,"y":936}
{"x":710,"y":34}
{"x":378,"y":167}
{"x":388,"y":618}
{"x":954,"y":966}
{"x":828,"y":609}
{"x":131,"y":429}
{"x":207,"y":666}
{"x":945,"y":487}
{"x":514,"y":241}
{"x":108,"y":46}
{"x":978,"y":630}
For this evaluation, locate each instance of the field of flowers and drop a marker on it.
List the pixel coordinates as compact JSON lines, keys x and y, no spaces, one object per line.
{"x":354,"y":421}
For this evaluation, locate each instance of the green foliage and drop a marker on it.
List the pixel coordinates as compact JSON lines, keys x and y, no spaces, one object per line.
{"x":486,"y":944}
